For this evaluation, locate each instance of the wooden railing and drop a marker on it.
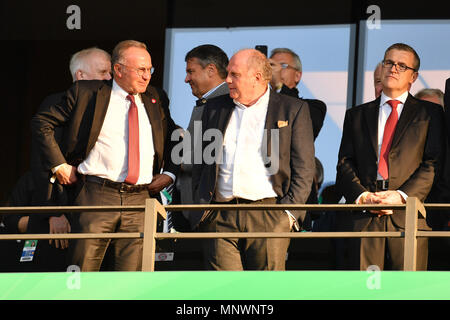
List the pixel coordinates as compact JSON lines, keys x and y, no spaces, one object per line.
{"x":153,"y":211}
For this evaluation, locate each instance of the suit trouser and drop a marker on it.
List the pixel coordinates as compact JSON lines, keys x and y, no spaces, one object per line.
{"x":388,"y":252}
{"x":126,"y":254}
{"x":246,"y":254}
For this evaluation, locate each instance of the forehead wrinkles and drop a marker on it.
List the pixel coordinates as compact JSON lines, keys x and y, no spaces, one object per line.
{"x":136,"y":58}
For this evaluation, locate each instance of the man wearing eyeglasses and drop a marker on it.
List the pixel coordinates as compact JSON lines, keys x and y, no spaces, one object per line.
{"x":286,"y":75}
{"x":390,"y":150}
{"x":116,"y":141}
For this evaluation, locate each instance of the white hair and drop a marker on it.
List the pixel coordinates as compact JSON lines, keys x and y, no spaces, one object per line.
{"x":78,"y":60}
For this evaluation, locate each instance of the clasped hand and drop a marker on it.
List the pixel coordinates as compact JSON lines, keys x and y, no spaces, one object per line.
{"x":382,"y":197}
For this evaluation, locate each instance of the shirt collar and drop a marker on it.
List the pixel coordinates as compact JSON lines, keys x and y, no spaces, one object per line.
{"x":119,"y":92}
{"x":210,"y":92}
{"x":402,"y":98}
{"x":262,"y":101}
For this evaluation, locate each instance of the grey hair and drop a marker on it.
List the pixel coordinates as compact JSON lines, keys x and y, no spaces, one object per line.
{"x":121,"y":47}
{"x":78,"y":59}
{"x":427,"y":92}
{"x":297,"y":61}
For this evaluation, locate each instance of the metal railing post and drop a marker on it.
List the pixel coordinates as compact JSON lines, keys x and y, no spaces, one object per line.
{"x":152,"y":209}
{"x":413,"y":206}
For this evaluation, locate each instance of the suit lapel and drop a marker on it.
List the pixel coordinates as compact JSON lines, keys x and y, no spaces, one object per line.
{"x":371,"y":115}
{"x":152,"y":105}
{"x":101,"y":105}
{"x":273,"y":114}
{"x":225,"y":115}
{"x":408,"y":113}
{"x":221,"y":90}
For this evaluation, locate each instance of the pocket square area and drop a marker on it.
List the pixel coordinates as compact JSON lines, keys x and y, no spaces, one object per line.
{"x":282,"y":124}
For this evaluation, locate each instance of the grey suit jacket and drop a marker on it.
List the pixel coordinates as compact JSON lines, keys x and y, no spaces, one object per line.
{"x":290,"y":116}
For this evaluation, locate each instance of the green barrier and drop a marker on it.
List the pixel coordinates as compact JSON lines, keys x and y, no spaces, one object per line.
{"x":248,"y":285}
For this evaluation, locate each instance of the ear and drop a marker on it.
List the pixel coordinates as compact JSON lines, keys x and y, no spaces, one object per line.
{"x":298,"y":76}
{"x":258,"y":76}
{"x":79,"y":75}
{"x":211,"y":69}
{"x":414,"y":77}
{"x":118,"y":70}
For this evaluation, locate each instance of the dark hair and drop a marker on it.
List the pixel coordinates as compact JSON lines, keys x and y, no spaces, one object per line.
{"x":405,"y":47}
{"x":207,"y":54}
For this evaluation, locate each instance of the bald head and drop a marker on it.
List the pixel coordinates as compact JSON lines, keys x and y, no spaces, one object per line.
{"x":377,"y":80}
{"x":249,"y":73}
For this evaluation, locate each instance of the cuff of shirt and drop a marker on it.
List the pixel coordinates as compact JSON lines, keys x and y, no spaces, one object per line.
{"x":295,"y":225}
{"x":53,"y":177}
{"x":359,"y":197}
{"x":170,"y":174}
{"x":404,"y":195}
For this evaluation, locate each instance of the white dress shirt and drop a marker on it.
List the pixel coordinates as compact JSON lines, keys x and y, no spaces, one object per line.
{"x":109,"y":157}
{"x":242,"y":172}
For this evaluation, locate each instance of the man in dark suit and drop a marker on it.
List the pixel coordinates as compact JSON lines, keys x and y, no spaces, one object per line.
{"x":287,"y":71}
{"x":286,"y":75}
{"x":116,"y":140}
{"x":35,"y":189}
{"x":250,"y":169}
{"x":206,"y":70}
{"x":390,"y":150}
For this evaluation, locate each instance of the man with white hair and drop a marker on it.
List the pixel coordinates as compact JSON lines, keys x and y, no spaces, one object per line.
{"x":91,"y":64}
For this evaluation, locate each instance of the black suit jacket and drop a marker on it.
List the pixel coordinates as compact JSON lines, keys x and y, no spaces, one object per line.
{"x":82,"y":111}
{"x":414,"y":157}
{"x":292,"y":182}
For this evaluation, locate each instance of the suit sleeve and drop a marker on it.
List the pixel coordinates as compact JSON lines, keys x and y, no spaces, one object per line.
{"x":421,"y":181}
{"x":302,"y":160}
{"x":44,"y":123}
{"x":318,"y":110}
{"x":347,"y":181}
{"x":169,"y":165}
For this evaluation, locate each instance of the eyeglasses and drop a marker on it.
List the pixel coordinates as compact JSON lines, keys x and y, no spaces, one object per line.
{"x":283,"y":66}
{"x":140,"y":71}
{"x":401,"y":67}
{"x":286,"y":66}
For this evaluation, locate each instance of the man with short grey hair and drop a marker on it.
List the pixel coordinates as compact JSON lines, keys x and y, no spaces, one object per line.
{"x":90,"y":64}
{"x":432,"y":95}
{"x":116,"y":143}
{"x":287,"y":72}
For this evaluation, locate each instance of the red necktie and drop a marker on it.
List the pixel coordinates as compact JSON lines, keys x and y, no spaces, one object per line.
{"x":133,"y":142}
{"x":389,"y":130}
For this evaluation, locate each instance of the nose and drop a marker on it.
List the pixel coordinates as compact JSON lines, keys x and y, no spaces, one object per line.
{"x":146,"y":76}
{"x":108,"y":76}
{"x":187,"y":79}
{"x":228,"y":79}
{"x":395,"y":67}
